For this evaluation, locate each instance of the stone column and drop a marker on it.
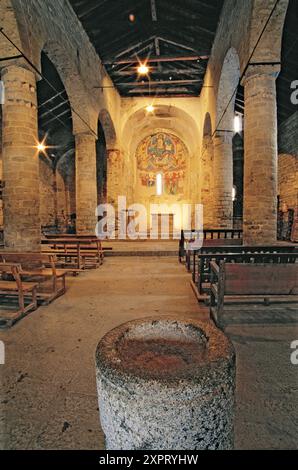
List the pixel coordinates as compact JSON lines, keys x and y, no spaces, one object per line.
{"x":238,"y":158}
{"x":114,"y":176}
{"x":20,"y":160}
{"x":223,"y":180}
{"x":260,"y":156}
{"x":206,"y":178}
{"x":86,"y":186}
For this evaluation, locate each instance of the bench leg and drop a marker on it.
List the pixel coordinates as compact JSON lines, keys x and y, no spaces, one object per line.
{"x":21,"y":301}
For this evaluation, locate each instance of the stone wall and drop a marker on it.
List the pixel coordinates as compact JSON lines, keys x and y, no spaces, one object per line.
{"x":47,"y":193}
{"x":287,"y":135}
{"x":288,"y":180}
{"x":65,"y":190}
{"x":288,"y":162}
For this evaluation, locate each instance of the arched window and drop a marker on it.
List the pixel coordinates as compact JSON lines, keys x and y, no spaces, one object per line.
{"x":159,"y":184}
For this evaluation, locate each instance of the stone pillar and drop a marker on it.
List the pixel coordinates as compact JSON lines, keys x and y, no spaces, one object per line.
{"x":238,"y":160}
{"x":166,"y":384}
{"x":223,"y":180}
{"x":206,"y":178}
{"x":20,"y":160}
{"x":260,"y":156}
{"x":114,"y":176}
{"x":86,"y":185}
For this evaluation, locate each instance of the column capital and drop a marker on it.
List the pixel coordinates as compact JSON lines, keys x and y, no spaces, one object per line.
{"x":224,"y":136}
{"x":19,"y":63}
{"x":260,"y":70}
{"x":87,"y":136}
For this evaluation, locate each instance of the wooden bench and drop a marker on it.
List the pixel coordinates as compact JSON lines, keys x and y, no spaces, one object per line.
{"x":39,"y":267}
{"x":17,"y":288}
{"x":84,"y":253}
{"x":244,"y":283}
{"x":211,"y":243}
{"x":201,"y":271}
{"x":208,"y":234}
{"x":69,"y":236}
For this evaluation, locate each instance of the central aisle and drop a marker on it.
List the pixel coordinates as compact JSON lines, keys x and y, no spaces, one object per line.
{"x":48,"y":396}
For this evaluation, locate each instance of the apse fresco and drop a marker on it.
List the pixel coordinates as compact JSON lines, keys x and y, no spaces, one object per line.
{"x":166,"y":154}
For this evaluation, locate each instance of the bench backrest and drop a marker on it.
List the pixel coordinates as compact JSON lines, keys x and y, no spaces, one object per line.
{"x":257,"y":279}
{"x":28,"y":260}
{"x":222,"y":242}
{"x":228,"y":248}
{"x":13,"y":269}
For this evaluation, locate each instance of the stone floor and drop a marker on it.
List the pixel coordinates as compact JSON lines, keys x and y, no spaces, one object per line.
{"x":48,"y":393}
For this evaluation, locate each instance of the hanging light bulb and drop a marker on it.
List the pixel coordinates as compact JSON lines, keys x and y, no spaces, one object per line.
{"x":143,"y":69}
{"x":41,"y":147}
{"x":150,"y":108}
{"x":237,"y":123}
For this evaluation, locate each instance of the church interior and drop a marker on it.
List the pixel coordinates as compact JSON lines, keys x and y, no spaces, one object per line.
{"x":148,"y":224}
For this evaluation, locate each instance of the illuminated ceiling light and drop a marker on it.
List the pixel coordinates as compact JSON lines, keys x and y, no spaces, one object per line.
{"x":143,"y":69}
{"x":237,"y":123}
{"x":131,"y":17}
{"x":150,"y":108}
{"x":41,"y":147}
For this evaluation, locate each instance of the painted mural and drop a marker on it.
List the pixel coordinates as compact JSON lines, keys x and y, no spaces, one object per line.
{"x":166,"y":154}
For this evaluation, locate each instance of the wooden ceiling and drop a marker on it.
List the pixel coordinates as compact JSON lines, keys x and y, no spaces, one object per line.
{"x":175,"y":37}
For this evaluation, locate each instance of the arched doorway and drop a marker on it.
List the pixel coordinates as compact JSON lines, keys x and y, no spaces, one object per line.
{"x":56,"y":162}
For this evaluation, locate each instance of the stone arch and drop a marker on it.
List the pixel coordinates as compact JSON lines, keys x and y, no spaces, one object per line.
{"x":269,"y":47}
{"x":223,"y":134}
{"x":9,"y":21}
{"x":108,"y":127}
{"x":72,"y":81}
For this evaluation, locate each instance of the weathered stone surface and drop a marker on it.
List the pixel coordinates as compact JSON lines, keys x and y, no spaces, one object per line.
{"x":260,"y":156}
{"x":20,"y":160}
{"x":86,"y":186}
{"x":166,"y":384}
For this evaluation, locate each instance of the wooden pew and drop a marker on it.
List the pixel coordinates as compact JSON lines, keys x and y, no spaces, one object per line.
{"x":17,"y":288}
{"x":244,"y":283}
{"x":85,"y":253}
{"x":201,"y":271}
{"x":208,"y":234}
{"x":210,"y":243}
{"x":69,"y":236}
{"x":40,"y":268}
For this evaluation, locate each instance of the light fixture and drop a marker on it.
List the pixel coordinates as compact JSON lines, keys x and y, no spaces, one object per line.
{"x":132,"y":17}
{"x":234,"y":193}
{"x":237,"y":123}
{"x":41,"y":147}
{"x":143,"y":69}
{"x":150,"y":108}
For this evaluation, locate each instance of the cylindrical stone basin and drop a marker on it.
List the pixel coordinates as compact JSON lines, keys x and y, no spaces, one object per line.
{"x":166,"y":384}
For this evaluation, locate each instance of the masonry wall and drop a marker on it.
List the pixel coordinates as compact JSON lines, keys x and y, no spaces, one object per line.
{"x":65,"y":190}
{"x":288,"y":180}
{"x":288,"y":162}
{"x":47,"y":193}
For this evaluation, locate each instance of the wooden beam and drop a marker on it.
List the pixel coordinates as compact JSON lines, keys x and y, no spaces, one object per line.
{"x":178,"y":44}
{"x":161,"y":82}
{"x":153,"y":10}
{"x":133,"y":71}
{"x":133,"y":60}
